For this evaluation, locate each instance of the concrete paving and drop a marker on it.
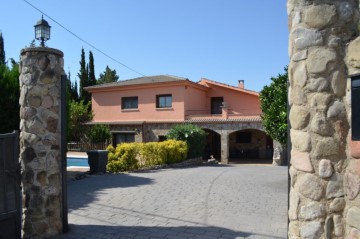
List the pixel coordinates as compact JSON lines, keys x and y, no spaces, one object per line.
{"x":208,"y":202}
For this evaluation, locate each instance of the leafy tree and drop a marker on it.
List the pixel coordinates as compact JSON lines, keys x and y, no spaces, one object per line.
{"x":78,"y":115}
{"x":108,"y":76}
{"x":2,"y":50}
{"x":273,"y":103}
{"x":193,"y":135}
{"x":9,"y":100}
{"x":92,"y":79}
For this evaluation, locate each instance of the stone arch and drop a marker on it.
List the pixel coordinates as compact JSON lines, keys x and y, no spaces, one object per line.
{"x":250,"y":145}
{"x":212,"y":145}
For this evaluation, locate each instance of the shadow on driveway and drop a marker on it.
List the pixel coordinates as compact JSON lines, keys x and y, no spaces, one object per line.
{"x":141,"y":232}
{"x":85,"y":191}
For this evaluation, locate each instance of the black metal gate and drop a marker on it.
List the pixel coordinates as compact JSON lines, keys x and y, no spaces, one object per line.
{"x":10,"y":190}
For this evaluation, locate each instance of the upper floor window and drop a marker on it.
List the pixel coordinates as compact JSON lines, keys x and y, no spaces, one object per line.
{"x":216,"y":103}
{"x":129,"y":102}
{"x":163,"y":101}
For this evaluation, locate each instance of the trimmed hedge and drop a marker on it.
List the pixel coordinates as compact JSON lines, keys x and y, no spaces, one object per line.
{"x":131,"y":156}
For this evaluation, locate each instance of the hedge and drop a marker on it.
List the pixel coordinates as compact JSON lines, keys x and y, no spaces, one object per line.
{"x":131,"y":156}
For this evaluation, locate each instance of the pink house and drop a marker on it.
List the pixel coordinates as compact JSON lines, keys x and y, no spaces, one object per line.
{"x":144,"y":109}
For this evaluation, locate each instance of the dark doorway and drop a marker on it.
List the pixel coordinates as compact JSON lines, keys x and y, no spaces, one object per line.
{"x":212,"y":146}
{"x":250,"y":146}
{"x":216,"y":103}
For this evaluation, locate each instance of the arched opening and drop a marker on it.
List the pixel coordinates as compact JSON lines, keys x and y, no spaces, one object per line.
{"x":212,"y":145}
{"x":250,"y":146}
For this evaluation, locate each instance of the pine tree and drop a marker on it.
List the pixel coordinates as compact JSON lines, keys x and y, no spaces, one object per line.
{"x":108,"y":76}
{"x":92,"y":79}
{"x":2,"y":50}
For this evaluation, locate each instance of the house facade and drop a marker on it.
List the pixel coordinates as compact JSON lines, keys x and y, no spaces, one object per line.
{"x":144,"y":109}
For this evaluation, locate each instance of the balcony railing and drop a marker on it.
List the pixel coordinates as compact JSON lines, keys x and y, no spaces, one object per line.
{"x":203,"y":115}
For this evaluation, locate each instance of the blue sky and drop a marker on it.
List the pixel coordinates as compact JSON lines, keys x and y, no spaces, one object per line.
{"x":222,"y":40}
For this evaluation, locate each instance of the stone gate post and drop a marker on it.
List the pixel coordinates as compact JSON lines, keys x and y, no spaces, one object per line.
{"x":40,"y":141}
{"x":322,"y":195}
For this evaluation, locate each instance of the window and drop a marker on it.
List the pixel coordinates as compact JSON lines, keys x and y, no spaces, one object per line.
{"x":216,"y":103}
{"x":163,"y":101}
{"x":129,"y":102}
{"x":119,"y":138}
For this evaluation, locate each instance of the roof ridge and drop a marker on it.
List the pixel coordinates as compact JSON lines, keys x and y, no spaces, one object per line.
{"x":224,"y":84}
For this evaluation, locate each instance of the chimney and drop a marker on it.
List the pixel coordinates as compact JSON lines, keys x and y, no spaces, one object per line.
{"x":241,"y":84}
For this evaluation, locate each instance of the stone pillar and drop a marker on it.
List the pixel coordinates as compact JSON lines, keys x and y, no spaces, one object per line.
{"x":224,"y":147}
{"x":40,"y":82}
{"x":278,"y":154}
{"x":319,"y":33}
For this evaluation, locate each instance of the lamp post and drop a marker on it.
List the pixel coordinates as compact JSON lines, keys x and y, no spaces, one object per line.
{"x":42,"y":31}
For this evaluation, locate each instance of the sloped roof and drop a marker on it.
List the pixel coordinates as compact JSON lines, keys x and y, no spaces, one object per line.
{"x":140,"y":81}
{"x":205,"y":81}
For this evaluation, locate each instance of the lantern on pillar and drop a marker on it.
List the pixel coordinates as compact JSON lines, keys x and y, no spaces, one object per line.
{"x":42,"y":31}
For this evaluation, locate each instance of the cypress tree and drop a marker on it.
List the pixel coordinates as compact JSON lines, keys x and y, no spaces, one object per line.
{"x":74,"y":89}
{"x":92,"y":79}
{"x":2,"y":50}
{"x":83,"y":76}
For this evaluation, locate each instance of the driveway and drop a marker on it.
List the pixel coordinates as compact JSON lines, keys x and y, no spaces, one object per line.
{"x":210,"y":202}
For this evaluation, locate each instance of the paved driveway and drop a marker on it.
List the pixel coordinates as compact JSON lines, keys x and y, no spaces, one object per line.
{"x":242,"y":201}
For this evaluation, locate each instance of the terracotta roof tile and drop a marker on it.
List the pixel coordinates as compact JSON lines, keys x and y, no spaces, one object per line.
{"x":139,"y":81}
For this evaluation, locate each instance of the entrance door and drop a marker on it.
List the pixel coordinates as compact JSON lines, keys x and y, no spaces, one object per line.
{"x":216,"y":103}
{"x":10,"y":191}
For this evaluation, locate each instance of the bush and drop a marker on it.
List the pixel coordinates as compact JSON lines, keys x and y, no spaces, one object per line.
{"x":99,"y":133}
{"x":151,"y":154}
{"x":123,"y":157}
{"x":175,"y":151}
{"x":131,"y":156}
{"x":193,"y":135}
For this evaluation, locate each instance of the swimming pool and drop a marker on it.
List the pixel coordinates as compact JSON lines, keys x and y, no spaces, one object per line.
{"x":77,"y":162}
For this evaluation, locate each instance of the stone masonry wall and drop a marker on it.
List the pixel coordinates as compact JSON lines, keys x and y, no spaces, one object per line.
{"x":40,"y":82}
{"x":325,"y":178}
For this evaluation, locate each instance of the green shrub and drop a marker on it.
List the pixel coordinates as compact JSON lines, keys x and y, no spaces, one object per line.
{"x":175,"y":151}
{"x":99,"y":133}
{"x":123,"y":157}
{"x":130,"y":156}
{"x":193,"y":135}
{"x":151,"y":154}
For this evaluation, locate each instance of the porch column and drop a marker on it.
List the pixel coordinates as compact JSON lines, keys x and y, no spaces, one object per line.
{"x":224,"y":147}
{"x":40,"y":141}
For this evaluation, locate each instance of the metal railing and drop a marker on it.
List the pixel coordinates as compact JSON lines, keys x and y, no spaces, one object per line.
{"x":82,"y":147}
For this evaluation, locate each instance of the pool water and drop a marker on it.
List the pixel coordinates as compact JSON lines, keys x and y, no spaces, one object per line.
{"x":77,"y":162}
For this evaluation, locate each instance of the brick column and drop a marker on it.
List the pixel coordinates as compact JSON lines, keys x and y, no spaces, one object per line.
{"x":40,"y":139}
